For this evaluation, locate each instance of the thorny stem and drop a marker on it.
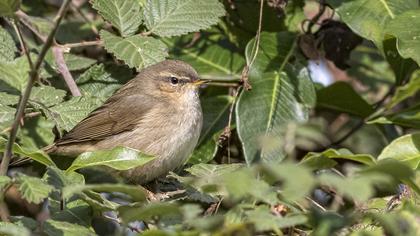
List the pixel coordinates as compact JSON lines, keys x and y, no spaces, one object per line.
{"x":33,"y":76}
{"x":64,"y":70}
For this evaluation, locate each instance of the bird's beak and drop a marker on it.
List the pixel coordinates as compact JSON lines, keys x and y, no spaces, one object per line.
{"x":200,"y":82}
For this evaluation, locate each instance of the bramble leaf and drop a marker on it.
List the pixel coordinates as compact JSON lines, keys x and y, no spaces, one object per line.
{"x":176,"y":17}
{"x":136,"y":51}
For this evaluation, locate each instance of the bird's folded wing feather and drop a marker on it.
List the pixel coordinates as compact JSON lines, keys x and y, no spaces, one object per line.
{"x":118,"y":114}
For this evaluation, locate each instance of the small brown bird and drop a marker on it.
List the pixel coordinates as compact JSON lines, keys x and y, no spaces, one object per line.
{"x":157,"y":113}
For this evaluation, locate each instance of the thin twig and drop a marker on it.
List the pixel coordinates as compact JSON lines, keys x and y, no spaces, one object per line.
{"x":244,"y":83}
{"x":255,"y":49}
{"x":224,"y":138}
{"x":26,"y":21}
{"x":22,"y":43}
{"x":361,"y":122}
{"x":82,"y":44}
{"x":33,"y":76}
{"x":65,"y":72}
{"x":222,"y":84}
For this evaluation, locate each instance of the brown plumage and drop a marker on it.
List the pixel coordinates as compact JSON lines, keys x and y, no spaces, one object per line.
{"x":158,"y":113}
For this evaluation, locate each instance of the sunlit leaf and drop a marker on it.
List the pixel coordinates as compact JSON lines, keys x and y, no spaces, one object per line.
{"x":262,"y":112}
{"x":10,"y":229}
{"x":406,"y":91}
{"x":131,"y":213}
{"x":176,"y":17}
{"x":102,"y":81}
{"x":316,"y":160}
{"x":8,"y":48}
{"x":47,"y":95}
{"x":53,"y":228}
{"x":37,"y":155}
{"x":408,"y":39}
{"x":14,"y":75}
{"x":137,"y":193}
{"x":33,"y":189}
{"x":370,"y":18}
{"x":124,"y":15}
{"x":136,"y":51}
{"x":405,"y":149}
{"x":215,"y":59}
{"x":67,"y":114}
{"x":119,"y":158}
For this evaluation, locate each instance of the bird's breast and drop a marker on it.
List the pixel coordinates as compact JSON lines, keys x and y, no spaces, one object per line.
{"x":170,"y":136}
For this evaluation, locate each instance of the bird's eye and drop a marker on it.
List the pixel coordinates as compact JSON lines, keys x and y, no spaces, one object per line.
{"x":174,"y":80}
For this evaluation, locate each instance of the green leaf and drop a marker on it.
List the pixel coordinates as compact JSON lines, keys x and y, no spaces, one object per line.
{"x":262,"y":112}
{"x":14,"y":75}
{"x":119,"y":158}
{"x":209,"y":171}
{"x":276,"y":98}
{"x":10,"y":229}
{"x":124,"y":15}
{"x":24,"y":221}
{"x":98,"y":201}
{"x":359,"y":188}
{"x":38,"y":155}
{"x":137,"y":193}
{"x":215,"y":113}
{"x":36,"y":134}
{"x":8,"y":7}
{"x":401,"y":67}
{"x":275,"y":51}
{"x":67,"y":114}
{"x":8,"y":99}
{"x":46,"y":95}
{"x":341,"y":97}
{"x":102,"y":81}
{"x":237,"y":184}
{"x":264,"y":220}
{"x":6,"y":114}
{"x":60,"y":179}
{"x":211,"y":58}
{"x":408,"y":39}
{"x":73,"y":63}
{"x":316,"y":160}
{"x":33,"y":189}
{"x":406,"y":91}
{"x":136,"y":51}
{"x":176,"y":17}
{"x":8,"y":48}
{"x":370,"y":18}
{"x":297,"y":181}
{"x":53,"y":228}
{"x":147,"y":212}
{"x":4,"y":181}
{"x":405,"y":149}
{"x":76,"y":212}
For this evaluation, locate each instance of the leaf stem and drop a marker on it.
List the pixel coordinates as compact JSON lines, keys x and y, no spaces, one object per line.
{"x":33,"y":76}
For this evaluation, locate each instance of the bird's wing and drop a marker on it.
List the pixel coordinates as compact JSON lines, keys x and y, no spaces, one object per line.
{"x":119,"y":113}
